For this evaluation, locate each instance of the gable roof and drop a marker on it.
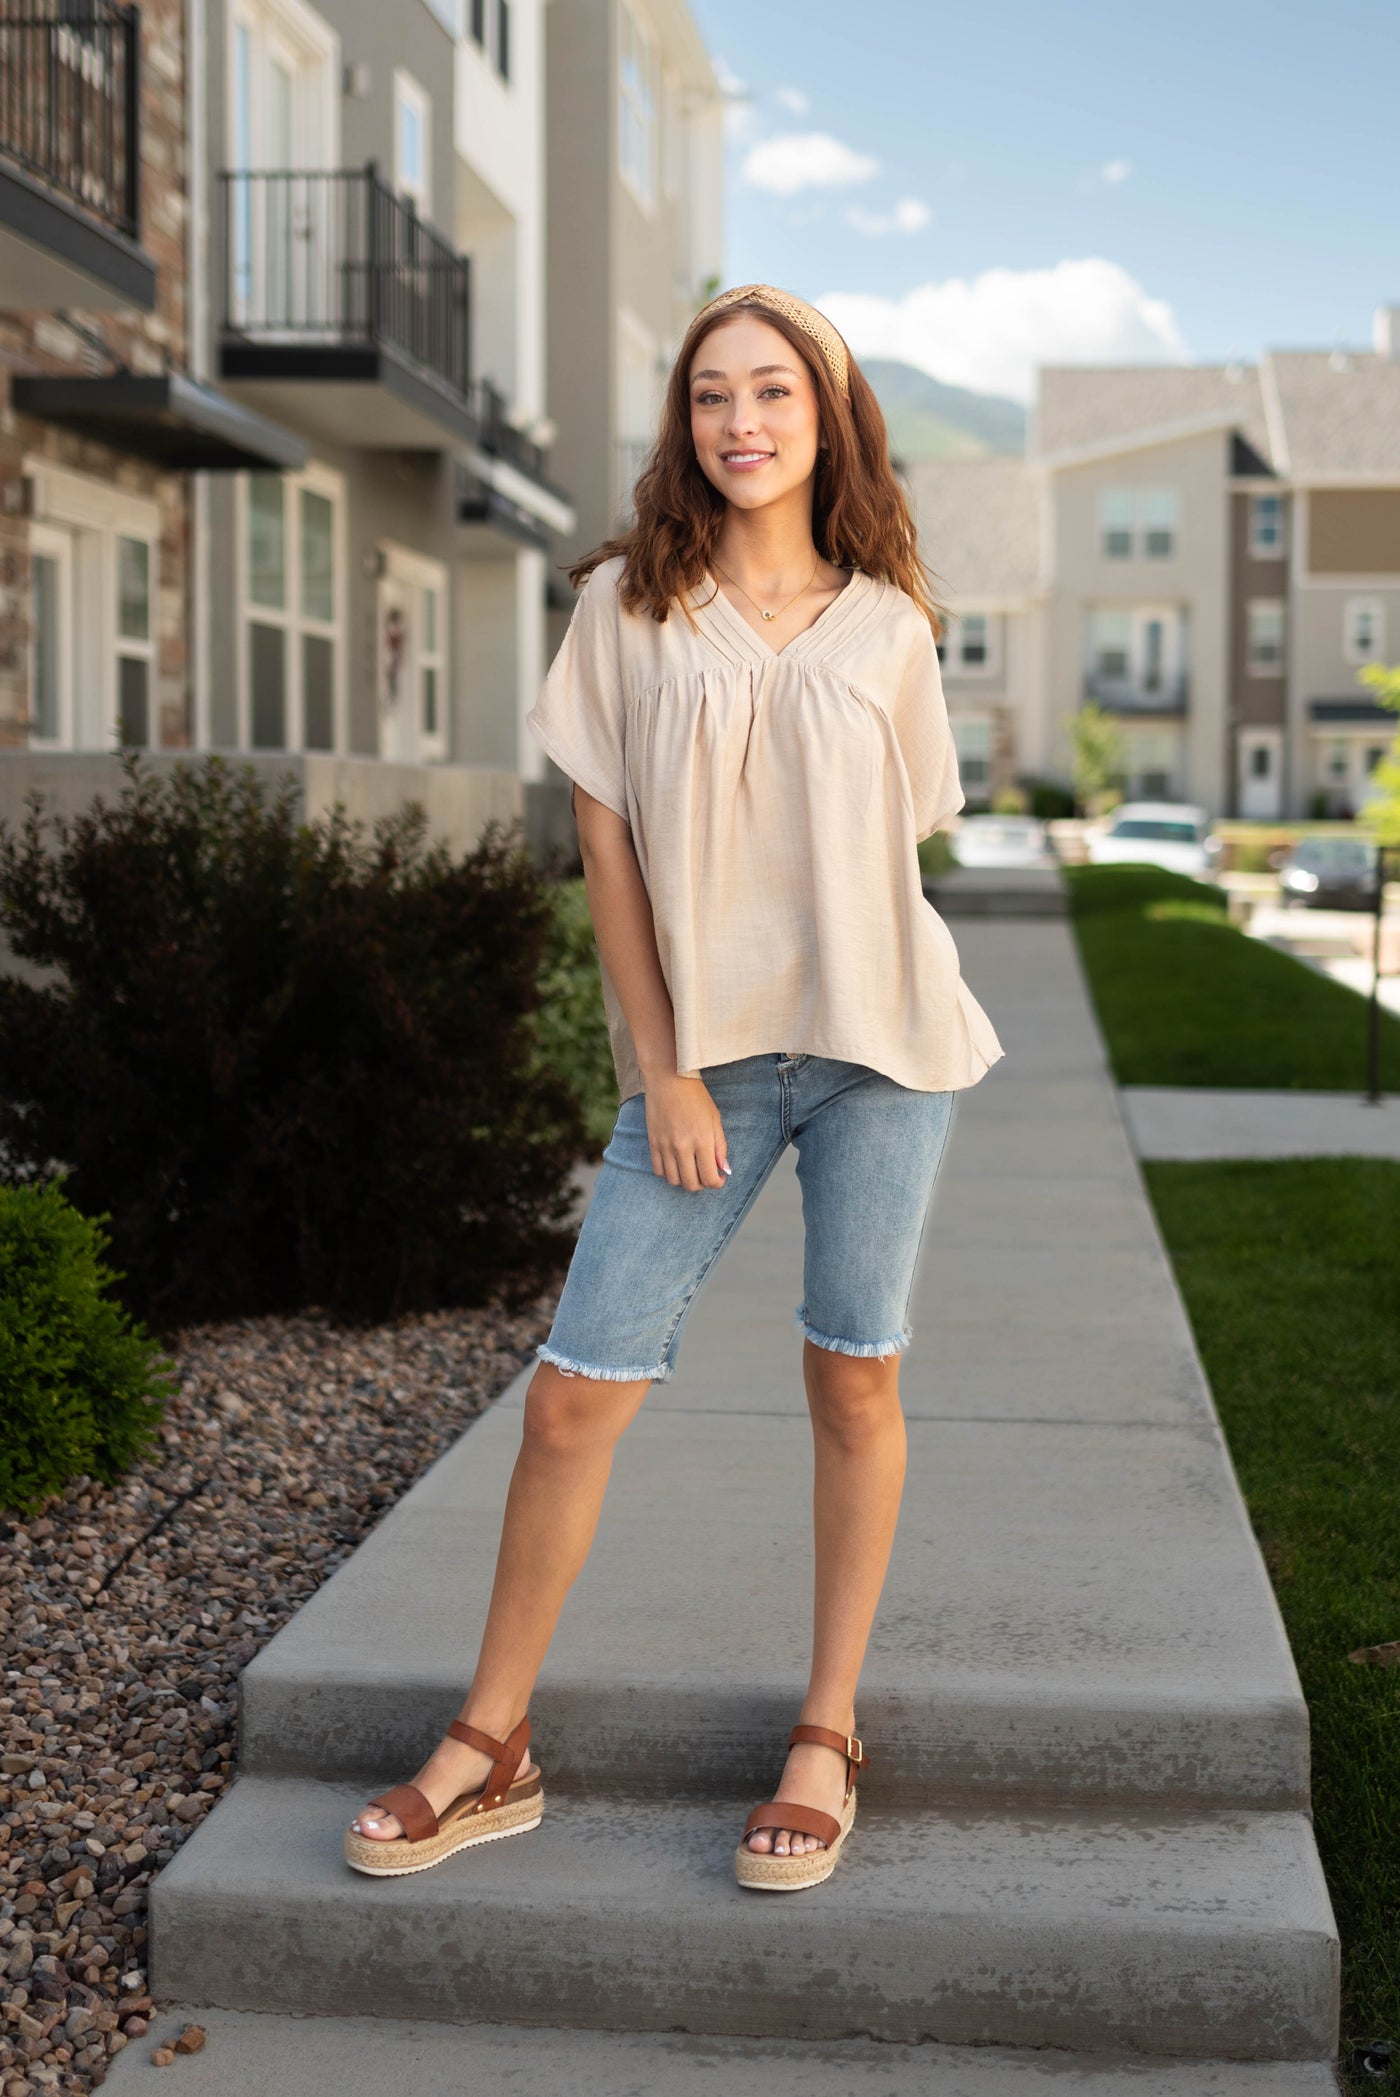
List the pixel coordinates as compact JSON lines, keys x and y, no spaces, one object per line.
{"x":1084,"y":407}
{"x":1334,"y":411}
{"x":979,"y":526}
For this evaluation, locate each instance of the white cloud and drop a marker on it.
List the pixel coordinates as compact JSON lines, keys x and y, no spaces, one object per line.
{"x":738,"y":110}
{"x":1108,"y":176}
{"x":909,"y":215}
{"x":990,"y":332}
{"x":805,"y":160}
{"x":793,"y":99}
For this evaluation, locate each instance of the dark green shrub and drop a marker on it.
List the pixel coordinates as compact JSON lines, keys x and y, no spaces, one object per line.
{"x":293,"y":1065}
{"x":81,"y":1385}
{"x":570,"y":1026}
{"x":1048,"y":799}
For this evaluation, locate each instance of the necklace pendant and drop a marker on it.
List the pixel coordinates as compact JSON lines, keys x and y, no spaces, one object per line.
{"x":770,"y":615}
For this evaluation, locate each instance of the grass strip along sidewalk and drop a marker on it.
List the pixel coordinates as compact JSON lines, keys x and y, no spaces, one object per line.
{"x":1291,"y":1275}
{"x":1185,"y":998}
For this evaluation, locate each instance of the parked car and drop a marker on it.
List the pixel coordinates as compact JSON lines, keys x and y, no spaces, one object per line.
{"x":1329,"y":873}
{"x":1170,"y":834}
{"x":1002,"y":840}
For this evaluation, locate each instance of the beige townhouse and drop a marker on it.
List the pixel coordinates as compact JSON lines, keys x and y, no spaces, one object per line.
{"x":1208,"y":552}
{"x":634,"y":227}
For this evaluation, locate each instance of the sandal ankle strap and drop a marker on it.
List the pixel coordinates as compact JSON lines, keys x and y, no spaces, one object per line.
{"x":505,"y":1755}
{"x":847,"y":1744}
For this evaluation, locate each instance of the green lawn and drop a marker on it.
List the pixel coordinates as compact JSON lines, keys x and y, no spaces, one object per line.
{"x":1184,"y":998}
{"x":1291,"y":1274}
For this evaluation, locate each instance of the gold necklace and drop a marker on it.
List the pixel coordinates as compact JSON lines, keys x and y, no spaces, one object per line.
{"x":782,"y":607}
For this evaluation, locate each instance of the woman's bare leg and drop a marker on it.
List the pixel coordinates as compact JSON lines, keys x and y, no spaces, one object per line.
{"x":858,"y":1431}
{"x":572,"y":1427}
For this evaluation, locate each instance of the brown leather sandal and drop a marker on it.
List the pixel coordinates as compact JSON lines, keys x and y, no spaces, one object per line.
{"x":767,"y":1873}
{"x":501,"y":1807}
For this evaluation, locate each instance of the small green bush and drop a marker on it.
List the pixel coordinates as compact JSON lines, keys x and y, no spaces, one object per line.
{"x":290,"y":1063}
{"x":1048,"y":799}
{"x":82,"y":1388}
{"x":570,"y":1025}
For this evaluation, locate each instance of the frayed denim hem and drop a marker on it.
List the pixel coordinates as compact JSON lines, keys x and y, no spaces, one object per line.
{"x":567,"y":1366}
{"x":857,"y":1347}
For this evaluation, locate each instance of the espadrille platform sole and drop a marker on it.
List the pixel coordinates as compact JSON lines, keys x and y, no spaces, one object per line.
{"x":520,"y":1810}
{"x":763,"y":1872}
{"x":505,"y":1805}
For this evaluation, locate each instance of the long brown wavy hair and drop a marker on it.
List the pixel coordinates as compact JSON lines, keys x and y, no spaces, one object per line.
{"x":860,"y":516}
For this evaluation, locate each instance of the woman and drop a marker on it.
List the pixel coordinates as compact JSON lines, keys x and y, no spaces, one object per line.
{"x":751,"y":779}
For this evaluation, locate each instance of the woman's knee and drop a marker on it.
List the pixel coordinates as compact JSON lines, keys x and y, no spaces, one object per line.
{"x":854,"y":1398}
{"x":568,"y":1413}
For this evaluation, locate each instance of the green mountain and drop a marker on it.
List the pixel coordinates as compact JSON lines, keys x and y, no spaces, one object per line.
{"x":928,"y":420}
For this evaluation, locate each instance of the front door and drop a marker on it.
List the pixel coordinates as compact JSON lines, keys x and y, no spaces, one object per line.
{"x":1261,"y":774}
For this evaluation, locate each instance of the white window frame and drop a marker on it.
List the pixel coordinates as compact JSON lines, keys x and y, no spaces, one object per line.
{"x":1256,"y":663}
{"x":1126,"y":512}
{"x":1354,"y":610}
{"x":1160,"y":499}
{"x":315,"y":47}
{"x":969,"y":731}
{"x":1261,"y":549}
{"x":137,"y":648}
{"x":410,"y":95}
{"x":54,"y":543}
{"x":91,"y":515}
{"x":290,"y":617}
{"x":1119,"y":500}
{"x":990,"y":666}
{"x":636,"y":104}
{"x":414,"y":573}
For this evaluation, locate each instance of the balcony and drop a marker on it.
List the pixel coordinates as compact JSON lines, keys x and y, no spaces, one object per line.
{"x":344,"y":312}
{"x":70,"y":156}
{"x":505,"y":498}
{"x":1137,"y":694}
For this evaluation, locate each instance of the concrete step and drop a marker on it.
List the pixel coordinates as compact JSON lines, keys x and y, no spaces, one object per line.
{"x":1051,"y":1632}
{"x":283,"y":2056}
{"x":1209,"y":1937}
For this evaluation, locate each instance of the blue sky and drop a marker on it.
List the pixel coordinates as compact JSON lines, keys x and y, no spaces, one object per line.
{"x":981,"y":188}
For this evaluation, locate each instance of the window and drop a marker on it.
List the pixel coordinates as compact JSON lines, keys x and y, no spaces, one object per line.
{"x":1266,"y":527}
{"x":1116,"y":523}
{"x":1111,"y":645}
{"x":93,"y":578}
{"x":672,"y":138}
{"x":1137,"y":520}
{"x":1157,"y":516}
{"x":291,"y":625}
{"x":1261,"y":761}
{"x":1265,"y":638}
{"x":479,"y":23}
{"x":972,"y":641}
{"x":972,"y":739}
{"x":135,"y":649}
{"x":636,"y":111}
{"x":503,"y":38}
{"x":411,"y":141}
{"x":430,"y":664}
{"x":1363,"y":629}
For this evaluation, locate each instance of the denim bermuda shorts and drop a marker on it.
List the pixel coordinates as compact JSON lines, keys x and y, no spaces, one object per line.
{"x":868,"y":1156}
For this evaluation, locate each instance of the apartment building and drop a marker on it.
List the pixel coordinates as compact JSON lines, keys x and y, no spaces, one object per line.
{"x":375,"y":282}
{"x":634,"y":220}
{"x":1210,"y":553}
{"x":102,"y":416}
{"x":313,"y":423}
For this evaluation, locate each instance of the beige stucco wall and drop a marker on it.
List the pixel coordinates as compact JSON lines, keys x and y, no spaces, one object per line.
{"x":1193,"y":577}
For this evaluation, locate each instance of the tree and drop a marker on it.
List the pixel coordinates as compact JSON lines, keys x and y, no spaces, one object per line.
{"x":1381,"y":813}
{"x":1099,"y":764}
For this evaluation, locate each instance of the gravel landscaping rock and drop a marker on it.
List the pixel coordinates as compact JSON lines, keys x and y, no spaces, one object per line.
{"x":128,"y":1612}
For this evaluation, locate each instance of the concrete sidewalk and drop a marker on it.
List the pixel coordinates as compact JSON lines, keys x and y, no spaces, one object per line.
{"x":1085,"y":1827}
{"x":1188,"y":1121}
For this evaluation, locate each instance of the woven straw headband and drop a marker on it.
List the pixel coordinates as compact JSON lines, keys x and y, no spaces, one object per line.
{"x":812,"y":323}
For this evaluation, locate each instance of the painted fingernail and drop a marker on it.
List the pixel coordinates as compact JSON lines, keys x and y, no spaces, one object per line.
{"x":725,"y":1167}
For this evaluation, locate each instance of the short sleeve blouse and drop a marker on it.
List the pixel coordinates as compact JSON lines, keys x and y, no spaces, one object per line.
{"x":775,"y":798}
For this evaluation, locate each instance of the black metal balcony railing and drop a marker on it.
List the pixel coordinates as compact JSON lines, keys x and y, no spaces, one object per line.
{"x":70,"y":90}
{"x":333,"y":256}
{"x":495,"y":434}
{"x":1139,"y":695}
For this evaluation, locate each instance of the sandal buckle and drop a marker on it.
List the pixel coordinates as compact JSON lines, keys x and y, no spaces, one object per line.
{"x":855,"y":1751}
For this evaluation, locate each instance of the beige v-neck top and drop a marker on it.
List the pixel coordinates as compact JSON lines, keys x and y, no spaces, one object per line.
{"x":775,"y":799}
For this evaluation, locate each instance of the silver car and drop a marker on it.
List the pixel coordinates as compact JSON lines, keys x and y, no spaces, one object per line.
{"x":1174,"y":835}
